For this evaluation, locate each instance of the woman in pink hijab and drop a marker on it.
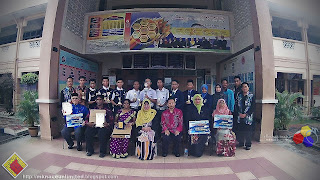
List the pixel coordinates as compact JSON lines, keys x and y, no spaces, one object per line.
{"x":225,"y":138}
{"x":222,"y":108}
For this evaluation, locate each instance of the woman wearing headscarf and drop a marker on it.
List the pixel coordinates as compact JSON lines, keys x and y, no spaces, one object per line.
{"x":145,"y":147}
{"x":226,"y":142}
{"x":198,"y":112}
{"x":218,"y":95}
{"x":207,"y":98}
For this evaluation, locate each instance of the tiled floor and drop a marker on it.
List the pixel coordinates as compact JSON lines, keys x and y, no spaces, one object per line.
{"x":263,"y":161}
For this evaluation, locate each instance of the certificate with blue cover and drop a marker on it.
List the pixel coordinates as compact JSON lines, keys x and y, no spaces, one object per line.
{"x":223,"y":121}
{"x":74,"y":120}
{"x":199,"y":127}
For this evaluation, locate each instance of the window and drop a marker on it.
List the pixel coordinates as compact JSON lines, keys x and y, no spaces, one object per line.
{"x":33,"y":29}
{"x":8,"y":34}
{"x":285,"y":28}
{"x":313,"y":34}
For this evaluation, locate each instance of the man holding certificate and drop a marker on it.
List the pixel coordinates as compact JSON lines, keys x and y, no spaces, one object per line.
{"x":101,"y":123}
{"x":74,"y":121}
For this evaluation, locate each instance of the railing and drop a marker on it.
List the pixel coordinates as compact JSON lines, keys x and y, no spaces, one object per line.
{"x":30,"y":49}
{"x":314,"y":53}
{"x":289,"y":49}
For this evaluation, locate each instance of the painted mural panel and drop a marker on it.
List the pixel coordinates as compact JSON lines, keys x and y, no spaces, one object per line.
{"x":158,"y":31}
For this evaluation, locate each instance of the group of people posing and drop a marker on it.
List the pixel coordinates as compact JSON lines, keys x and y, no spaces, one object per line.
{"x":159,"y":115}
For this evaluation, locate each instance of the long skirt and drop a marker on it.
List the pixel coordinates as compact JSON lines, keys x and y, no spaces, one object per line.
{"x":119,"y":146}
{"x":146,"y":150}
{"x":197,"y":144}
{"x":226,"y":144}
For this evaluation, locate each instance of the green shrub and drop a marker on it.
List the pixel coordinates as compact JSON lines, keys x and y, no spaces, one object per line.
{"x":287,"y":109}
{"x":315,"y":111}
{"x":29,"y":78}
{"x":28,"y":109}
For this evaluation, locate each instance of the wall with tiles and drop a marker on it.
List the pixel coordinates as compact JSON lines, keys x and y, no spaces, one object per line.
{"x":243,"y":36}
{"x":73,"y":22}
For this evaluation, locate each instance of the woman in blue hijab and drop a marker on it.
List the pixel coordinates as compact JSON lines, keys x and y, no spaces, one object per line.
{"x":207,"y":98}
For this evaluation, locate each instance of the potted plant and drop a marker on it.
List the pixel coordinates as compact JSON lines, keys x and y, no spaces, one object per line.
{"x":28,"y":111}
{"x":30,"y":80}
{"x":286,"y":110}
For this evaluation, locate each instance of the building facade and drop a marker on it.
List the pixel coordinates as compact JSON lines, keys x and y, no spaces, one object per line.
{"x":270,"y":44}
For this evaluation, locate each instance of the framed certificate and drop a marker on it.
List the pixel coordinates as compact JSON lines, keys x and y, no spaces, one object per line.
{"x":199,"y":127}
{"x":100,"y":119}
{"x":66,"y":108}
{"x":74,"y":120}
{"x":223,"y":121}
{"x":97,"y":116}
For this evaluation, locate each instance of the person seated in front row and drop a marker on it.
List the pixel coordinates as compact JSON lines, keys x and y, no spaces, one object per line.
{"x":119,"y":146}
{"x":78,"y":131}
{"x":146,"y":146}
{"x":226,"y":141}
{"x":198,"y":112}
{"x":103,"y":132}
{"x":172,"y":125}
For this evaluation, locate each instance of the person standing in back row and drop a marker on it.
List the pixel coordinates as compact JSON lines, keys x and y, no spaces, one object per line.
{"x":118,"y":96}
{"x":187,"y":96}
{"x":133,"y":96}
{"x":92,"y":94}
{"x":177,"y":94}
{"x":106,"y":92}
{"x":148,"y":93}
{"x":245,"y":109}
{"x":237,"y":90}
{"x":162,"y":95}
{"x":229,"y":93}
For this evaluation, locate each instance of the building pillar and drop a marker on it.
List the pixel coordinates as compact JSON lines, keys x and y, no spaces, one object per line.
{"x":307,"y":86}
{"x":15,"y":75}
{"x":49,"y":68}
{"x":264,"y":70}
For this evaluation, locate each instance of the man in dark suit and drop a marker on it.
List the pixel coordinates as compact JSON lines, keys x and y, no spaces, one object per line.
{"x":177,"y":94}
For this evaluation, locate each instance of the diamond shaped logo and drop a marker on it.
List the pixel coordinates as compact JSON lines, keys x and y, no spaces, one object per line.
{"x":14,"y":165}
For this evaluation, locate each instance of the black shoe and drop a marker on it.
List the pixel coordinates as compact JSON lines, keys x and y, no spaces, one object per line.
{"x":247,"y":148}
{"x":164,"y":154}
{"x":102,"y":155}
{"x":70,"y":146}
{"x":79,"y":148}
{"x":177,"y":154}
{"x":89,"y":153}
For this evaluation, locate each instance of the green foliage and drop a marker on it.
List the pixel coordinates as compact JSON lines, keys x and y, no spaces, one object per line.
{"x":6,"y":91}
{"x":315,"y":111}
{"x":287,"y":109}
{"x":28,"y":109}
{"x":29,"y":78}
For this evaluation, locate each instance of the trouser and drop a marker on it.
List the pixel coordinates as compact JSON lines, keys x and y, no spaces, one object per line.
{"x":78,"y":133}
{"x":156,"y":125}
{"x":244,"y":134}
{"x":235,"y":122}
{"x":166,"y":140}
{"x":103,"y":136}
{"x":185,"y":124}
